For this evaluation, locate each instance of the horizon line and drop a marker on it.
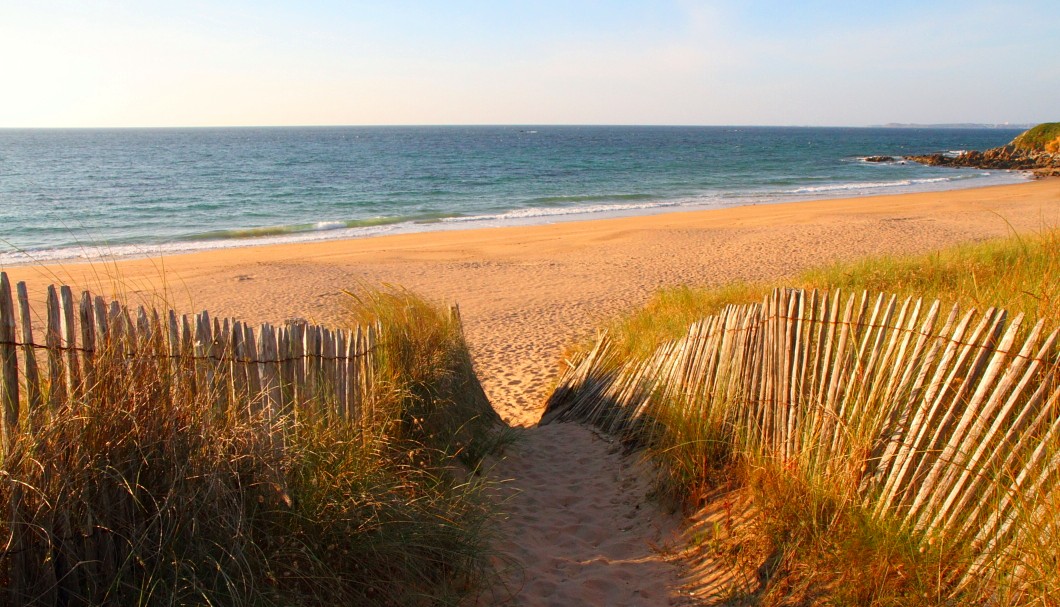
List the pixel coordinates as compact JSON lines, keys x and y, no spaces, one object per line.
{"x":999,"y":125}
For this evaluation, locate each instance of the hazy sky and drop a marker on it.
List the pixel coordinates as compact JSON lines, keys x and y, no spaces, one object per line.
{"x":276,"y":62}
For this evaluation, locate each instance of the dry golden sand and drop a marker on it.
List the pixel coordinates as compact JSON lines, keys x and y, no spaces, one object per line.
{"x":527,"y":292}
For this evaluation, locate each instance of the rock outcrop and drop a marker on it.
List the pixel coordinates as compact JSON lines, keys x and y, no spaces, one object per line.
{"x":1019,"y":155}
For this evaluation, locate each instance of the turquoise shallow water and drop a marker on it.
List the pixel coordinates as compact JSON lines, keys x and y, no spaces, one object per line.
{"x":69,"y":194}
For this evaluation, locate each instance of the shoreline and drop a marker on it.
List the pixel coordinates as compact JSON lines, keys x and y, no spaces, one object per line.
{"x":327,"y":231}
{"x":527,"y":292}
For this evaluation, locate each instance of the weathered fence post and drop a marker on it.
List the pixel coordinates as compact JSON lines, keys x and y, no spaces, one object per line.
{"x":9,"y":406}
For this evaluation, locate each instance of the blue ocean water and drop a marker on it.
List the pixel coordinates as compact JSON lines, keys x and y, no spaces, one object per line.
{"x":72,"y":194}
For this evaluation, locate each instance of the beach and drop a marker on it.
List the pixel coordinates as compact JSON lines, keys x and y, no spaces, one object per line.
{"x":287,"y":292}
{"x":527,"y":292}
{"x":578,"y":525}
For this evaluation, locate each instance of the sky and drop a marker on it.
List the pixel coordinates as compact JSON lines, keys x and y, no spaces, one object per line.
{"x":120,"y":63}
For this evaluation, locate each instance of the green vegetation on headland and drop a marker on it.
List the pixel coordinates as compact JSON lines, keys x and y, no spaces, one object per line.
{"x":1037,"y":149}
{"x":140,"y":492}
{"x":817,"y":533}
{"x":1043,"y":138}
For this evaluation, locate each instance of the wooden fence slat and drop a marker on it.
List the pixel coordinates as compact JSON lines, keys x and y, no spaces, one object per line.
{"x":144,"y":330}
{"x":804,"y":331}
{"x":116,"y":327}
{"x":31,"y":371}
{"x":327,"y":360}
{"x":221,"y":354}
{"x":99,"y":314}
{"x":159,"y":332}
{"x":69,"y":342}
{"x":284,"y":367}
{"x":236,"y":367}
{"x":268,"y":353}
{"x":341,"y":376}
{"x":787,"y":403}
{"x":368,"y":371}
{"x":9,"y":428}
{"x":88,"y":340}
{"x":831,"y":318}
{"x":252,"y":368}
{"x":187,"y":353}
{"x":765,"y":395}
{"x":54,"y":342}
{"x":297,"y":355}
{"x":9,"y":392}
{"x":312,"y":362}
{"x":356,"y":382}
{"x":173,"y":349}
{"x":205,"y":366}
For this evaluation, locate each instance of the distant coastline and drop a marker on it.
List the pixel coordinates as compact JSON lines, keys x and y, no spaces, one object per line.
{"x":954,"y":125}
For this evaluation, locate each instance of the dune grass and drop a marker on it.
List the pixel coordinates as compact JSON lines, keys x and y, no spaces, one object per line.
{"x":137,"y":494}
{"x":824,"y":550}
{"x":821,"y":545}
{"x":428,"y":366}
{"x":1018,"y":274}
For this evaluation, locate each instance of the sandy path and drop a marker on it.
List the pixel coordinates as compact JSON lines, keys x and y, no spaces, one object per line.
{"x":526,"y":293}
{"x":580,"y":529}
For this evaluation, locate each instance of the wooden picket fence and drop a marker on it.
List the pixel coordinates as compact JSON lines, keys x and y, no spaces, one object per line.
{"x":266,"y":370}
{"x":268,"y":376}
{"x":947,"y":424}
{"x":77,"y":352}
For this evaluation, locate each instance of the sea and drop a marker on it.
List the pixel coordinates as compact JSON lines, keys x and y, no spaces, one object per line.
{"x":83,"y":194}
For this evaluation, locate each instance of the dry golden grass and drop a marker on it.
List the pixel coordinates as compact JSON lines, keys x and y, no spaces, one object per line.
{"x":823,"y":547}
{"x":139,"y":494}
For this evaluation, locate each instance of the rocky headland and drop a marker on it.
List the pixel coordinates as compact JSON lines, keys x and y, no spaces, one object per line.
{"x":1037,"y":150}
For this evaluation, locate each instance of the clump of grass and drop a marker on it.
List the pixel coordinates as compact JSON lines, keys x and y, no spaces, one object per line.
{"x":426,"y":360}
{"x":137,"y":492}
{"x":694,"y":452}
{"x":1017,"y":273}
{"x":825,"y":550}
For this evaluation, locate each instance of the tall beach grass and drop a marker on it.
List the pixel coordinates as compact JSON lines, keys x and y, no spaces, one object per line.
{"x":135,"y":493}
{"x":816,"y":538}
